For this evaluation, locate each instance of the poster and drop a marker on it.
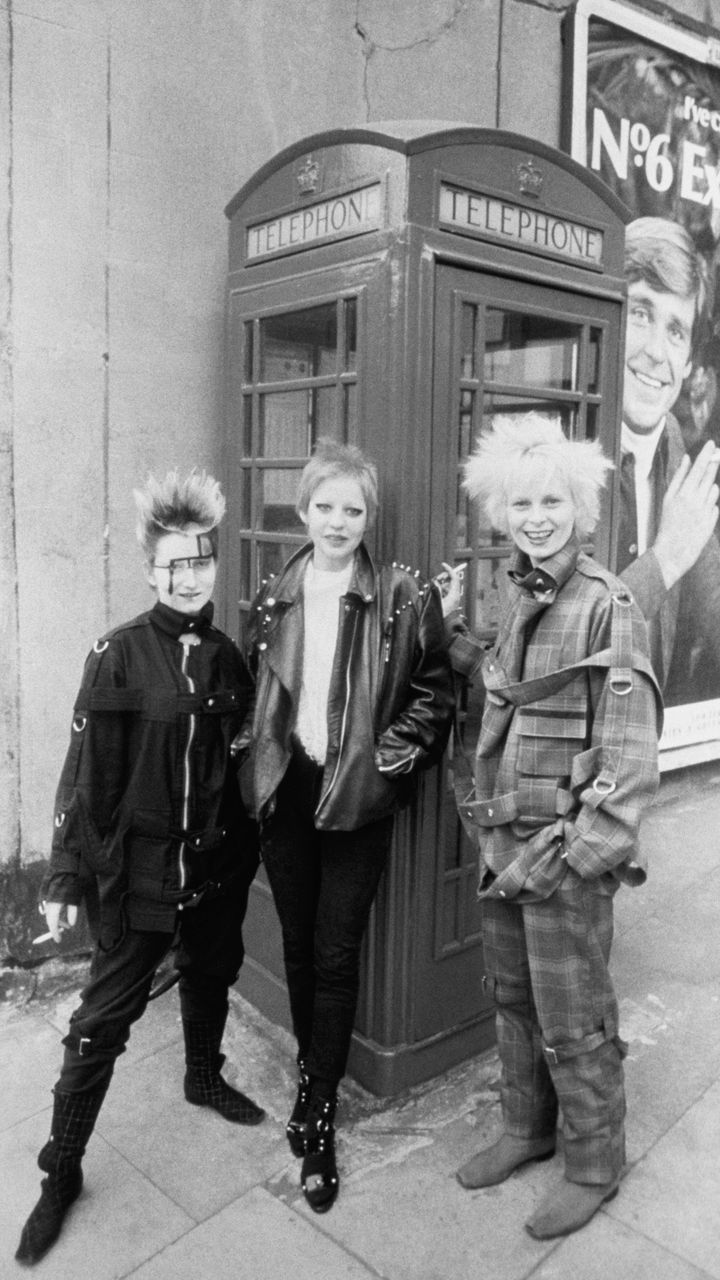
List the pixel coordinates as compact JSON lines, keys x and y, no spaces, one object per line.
{"x":642,"y":110}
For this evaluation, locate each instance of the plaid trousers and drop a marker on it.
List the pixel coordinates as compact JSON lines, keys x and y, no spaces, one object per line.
{"x":557,"y":1023}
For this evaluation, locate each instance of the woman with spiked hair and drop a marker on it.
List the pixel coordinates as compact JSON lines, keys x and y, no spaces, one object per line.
{"x":149,"y":813}
{"x":565,"y":763}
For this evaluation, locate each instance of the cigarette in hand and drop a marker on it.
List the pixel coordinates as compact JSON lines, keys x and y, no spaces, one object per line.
{"x":42,"y":937}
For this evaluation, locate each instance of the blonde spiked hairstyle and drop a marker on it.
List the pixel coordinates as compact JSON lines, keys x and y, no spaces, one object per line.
{"x":530,"y":439}
{"x":173,"y":504}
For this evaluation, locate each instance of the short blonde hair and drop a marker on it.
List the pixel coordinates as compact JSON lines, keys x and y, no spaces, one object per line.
{"x":512,"y":443}
{"x":331,"y":459}
{"x":174,"y":504}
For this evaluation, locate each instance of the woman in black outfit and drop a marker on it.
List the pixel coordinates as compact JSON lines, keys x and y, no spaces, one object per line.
{"x":149,"y":816}
{"x":353,"y":698}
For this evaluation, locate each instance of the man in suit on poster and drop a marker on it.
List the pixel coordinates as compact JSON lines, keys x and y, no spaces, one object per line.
{"x":667,"y":552}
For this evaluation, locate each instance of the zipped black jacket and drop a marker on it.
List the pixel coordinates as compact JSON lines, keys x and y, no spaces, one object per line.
{"x":391,"y":695}
{"x":148,"y":800}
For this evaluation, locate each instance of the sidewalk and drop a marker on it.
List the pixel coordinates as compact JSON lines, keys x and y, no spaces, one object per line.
{"x":172,"y":1192}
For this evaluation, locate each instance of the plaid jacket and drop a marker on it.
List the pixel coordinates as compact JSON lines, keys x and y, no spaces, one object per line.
{"x":566,"y":758}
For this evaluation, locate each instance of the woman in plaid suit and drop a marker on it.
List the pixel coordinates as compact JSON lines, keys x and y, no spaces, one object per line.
{"x":566,"y":762}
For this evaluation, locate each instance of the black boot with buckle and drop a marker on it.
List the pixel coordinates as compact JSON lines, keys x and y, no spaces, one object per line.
{"x":295,"y":1127}
{"x":203,"y":1085}
{"x":320,"y":1182}
{"x":74,"y":1116}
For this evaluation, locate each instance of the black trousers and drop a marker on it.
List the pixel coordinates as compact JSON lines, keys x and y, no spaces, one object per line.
{"x":323,"y":884}
{"x":209,"y":955}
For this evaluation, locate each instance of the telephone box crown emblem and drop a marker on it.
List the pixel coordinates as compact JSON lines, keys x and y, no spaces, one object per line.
{"x":530,"y":177}
{"x":308,"y":175}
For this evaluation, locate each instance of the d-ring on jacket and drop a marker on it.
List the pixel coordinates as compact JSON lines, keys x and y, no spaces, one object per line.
{"x":390,"y":701}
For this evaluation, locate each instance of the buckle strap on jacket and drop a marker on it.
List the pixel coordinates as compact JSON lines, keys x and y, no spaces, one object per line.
{"x":157,"y":704}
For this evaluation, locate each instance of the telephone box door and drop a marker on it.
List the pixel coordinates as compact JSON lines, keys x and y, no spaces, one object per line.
{"x":501,"y":346}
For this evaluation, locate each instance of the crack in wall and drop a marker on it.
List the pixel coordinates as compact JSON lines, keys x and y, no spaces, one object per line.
{"x":370,"y":46}
{"x":11,"y":701}
{"x":106,"y":353}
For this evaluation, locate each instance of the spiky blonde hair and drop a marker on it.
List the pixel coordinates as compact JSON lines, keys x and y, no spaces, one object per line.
{"x":173,"y":504}
{"x":515,"y":443}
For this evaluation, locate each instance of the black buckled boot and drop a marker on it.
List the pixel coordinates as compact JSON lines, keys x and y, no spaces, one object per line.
{"x":204,"y":1086}
{"x":74,"y":1116}
{"x":320,"y":1182}
{"x":295,"y":1127}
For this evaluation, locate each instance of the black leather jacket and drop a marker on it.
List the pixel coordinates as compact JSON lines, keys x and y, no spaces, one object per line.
{"x":391,"y":694}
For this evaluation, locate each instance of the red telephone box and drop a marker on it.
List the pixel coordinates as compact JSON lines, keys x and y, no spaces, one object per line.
{"x":396,"y":287}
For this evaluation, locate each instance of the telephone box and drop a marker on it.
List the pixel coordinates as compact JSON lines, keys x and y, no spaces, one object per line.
{"x":397,"y":286}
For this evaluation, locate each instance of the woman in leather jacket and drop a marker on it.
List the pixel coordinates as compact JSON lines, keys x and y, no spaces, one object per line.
{"x":353,"y":699}
{"x":151,"y":828}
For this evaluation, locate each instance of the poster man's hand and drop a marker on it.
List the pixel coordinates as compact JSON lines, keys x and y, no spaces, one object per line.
{"x":689,"y":514}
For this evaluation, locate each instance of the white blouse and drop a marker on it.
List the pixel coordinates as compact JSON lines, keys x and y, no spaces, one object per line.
{"x":322,"y":590}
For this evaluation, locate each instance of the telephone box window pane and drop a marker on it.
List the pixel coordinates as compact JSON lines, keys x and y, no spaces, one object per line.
{"x":350,"y":412}
{"x":284,"y":424}
{"x":351,"y":335}
{"x":468,"y":329}
{"x":594,"y":356}
{"x":461,"y":519}
{"x":496,"y":406}
{"x":299,"y":344}
{"x":272,"y":556}
{"x":489,"y":585}
{"x":591,"y":422}
{"x":526,"y":350}
{"x":279,"y":492}
{"x":246,"y":442}
{"x":245,"y":562}
{"x":465,"y":440}
{"x":325,"y":413}
{"x":248,"y":363}
{"x":246,"y":519}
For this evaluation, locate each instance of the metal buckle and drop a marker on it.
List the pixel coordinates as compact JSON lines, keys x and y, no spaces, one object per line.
{"x":604,"y":787}
{"x":621,"y":687}
{"x":84,"y":1040}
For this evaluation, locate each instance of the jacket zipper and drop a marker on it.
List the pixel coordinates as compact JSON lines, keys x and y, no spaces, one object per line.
{"x":186,"y":764}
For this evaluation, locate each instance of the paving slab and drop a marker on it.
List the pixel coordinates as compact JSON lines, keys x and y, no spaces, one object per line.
{"x":199,"y":1160}
{"x":606,"y":1248}
{"x":27,"y":1043}
{"x":673,"y":1196}
{"x":258,"y":1237}
{"x":119,"y":1220}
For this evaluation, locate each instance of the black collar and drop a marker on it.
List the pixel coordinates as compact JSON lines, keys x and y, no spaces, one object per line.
{"x":177,"y":624}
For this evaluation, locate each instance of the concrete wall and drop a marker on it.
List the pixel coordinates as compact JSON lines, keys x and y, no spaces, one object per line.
{"x":125,"y":127}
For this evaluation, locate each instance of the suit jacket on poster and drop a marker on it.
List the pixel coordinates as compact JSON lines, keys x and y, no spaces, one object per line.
{"x":698,"y":592}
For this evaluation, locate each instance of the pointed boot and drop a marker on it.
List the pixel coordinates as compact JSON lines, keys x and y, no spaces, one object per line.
{"x":497,"y":1162}
{"x":295,"y":1127}
{"x":203,"y":1084}
{"x":74,"y":1116}
{"x":568,"y":1208}
{"x":319,"y":1177}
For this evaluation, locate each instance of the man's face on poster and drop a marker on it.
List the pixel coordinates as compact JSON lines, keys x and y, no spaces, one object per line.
{"x":657,"y":354}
